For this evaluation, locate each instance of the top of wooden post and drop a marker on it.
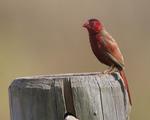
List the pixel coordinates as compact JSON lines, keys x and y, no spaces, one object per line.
{"x":89,"y":96}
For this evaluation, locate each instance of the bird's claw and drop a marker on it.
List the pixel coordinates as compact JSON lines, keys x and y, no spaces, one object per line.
{"x":107,"y":72}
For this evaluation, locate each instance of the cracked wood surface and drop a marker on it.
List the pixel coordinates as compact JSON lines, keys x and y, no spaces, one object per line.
{"x":89,"y":96}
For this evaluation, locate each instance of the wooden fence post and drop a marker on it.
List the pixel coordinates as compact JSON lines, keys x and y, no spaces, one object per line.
{"x":89,"y":96}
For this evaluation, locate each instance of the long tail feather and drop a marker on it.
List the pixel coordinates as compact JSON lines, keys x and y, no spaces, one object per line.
{"x":122,"y":73}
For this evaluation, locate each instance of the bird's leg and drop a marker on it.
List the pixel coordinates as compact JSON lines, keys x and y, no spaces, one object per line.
{"x":112,"y":70}
{"x":109,"y":70}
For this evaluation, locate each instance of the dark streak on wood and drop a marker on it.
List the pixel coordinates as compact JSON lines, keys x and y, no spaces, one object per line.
{"x":68,"y":97}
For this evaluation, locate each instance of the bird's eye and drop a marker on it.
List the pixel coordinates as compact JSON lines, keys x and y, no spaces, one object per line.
{"x":96,"y":26}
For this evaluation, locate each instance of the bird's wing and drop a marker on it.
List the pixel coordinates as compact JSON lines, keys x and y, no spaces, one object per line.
{"x":112,"y":50}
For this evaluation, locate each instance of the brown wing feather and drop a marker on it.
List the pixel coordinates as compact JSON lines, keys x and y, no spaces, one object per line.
{"x":112,"y":50}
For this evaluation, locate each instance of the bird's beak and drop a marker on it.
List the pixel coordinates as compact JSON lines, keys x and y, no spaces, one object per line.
{"x":86,"y":24}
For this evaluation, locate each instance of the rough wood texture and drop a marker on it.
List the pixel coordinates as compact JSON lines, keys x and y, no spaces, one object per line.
{"x":89,"y":96}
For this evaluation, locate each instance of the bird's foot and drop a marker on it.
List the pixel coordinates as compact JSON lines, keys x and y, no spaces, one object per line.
{"x":109,"y":70}
{"x":106,"y":71}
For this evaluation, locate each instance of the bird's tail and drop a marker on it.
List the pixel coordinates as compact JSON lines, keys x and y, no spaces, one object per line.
{"x":122,"y":73}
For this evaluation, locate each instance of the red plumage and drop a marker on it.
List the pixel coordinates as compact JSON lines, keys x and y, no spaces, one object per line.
{"x":122,"y":73}
{"x":106,"y":48}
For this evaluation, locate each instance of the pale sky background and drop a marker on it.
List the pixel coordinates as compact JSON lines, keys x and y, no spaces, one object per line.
{"x":46,"y":37}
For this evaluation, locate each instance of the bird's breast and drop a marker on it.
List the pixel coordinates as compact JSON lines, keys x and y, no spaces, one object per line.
{"x":95,"y":45}
{"x":98,"y":50}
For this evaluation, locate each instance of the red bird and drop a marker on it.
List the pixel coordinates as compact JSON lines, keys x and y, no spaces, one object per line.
{"x":106,"y":49}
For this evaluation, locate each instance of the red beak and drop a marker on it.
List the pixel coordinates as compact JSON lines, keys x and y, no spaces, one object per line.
{"x":86,"y":24}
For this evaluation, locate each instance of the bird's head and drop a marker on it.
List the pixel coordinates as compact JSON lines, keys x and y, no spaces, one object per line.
{"x":93,"y":25}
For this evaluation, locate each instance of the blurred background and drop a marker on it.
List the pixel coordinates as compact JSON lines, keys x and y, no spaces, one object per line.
{"x":46,"y":37}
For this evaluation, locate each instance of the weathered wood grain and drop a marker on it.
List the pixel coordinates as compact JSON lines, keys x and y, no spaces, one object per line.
{"x":89,"y":96}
